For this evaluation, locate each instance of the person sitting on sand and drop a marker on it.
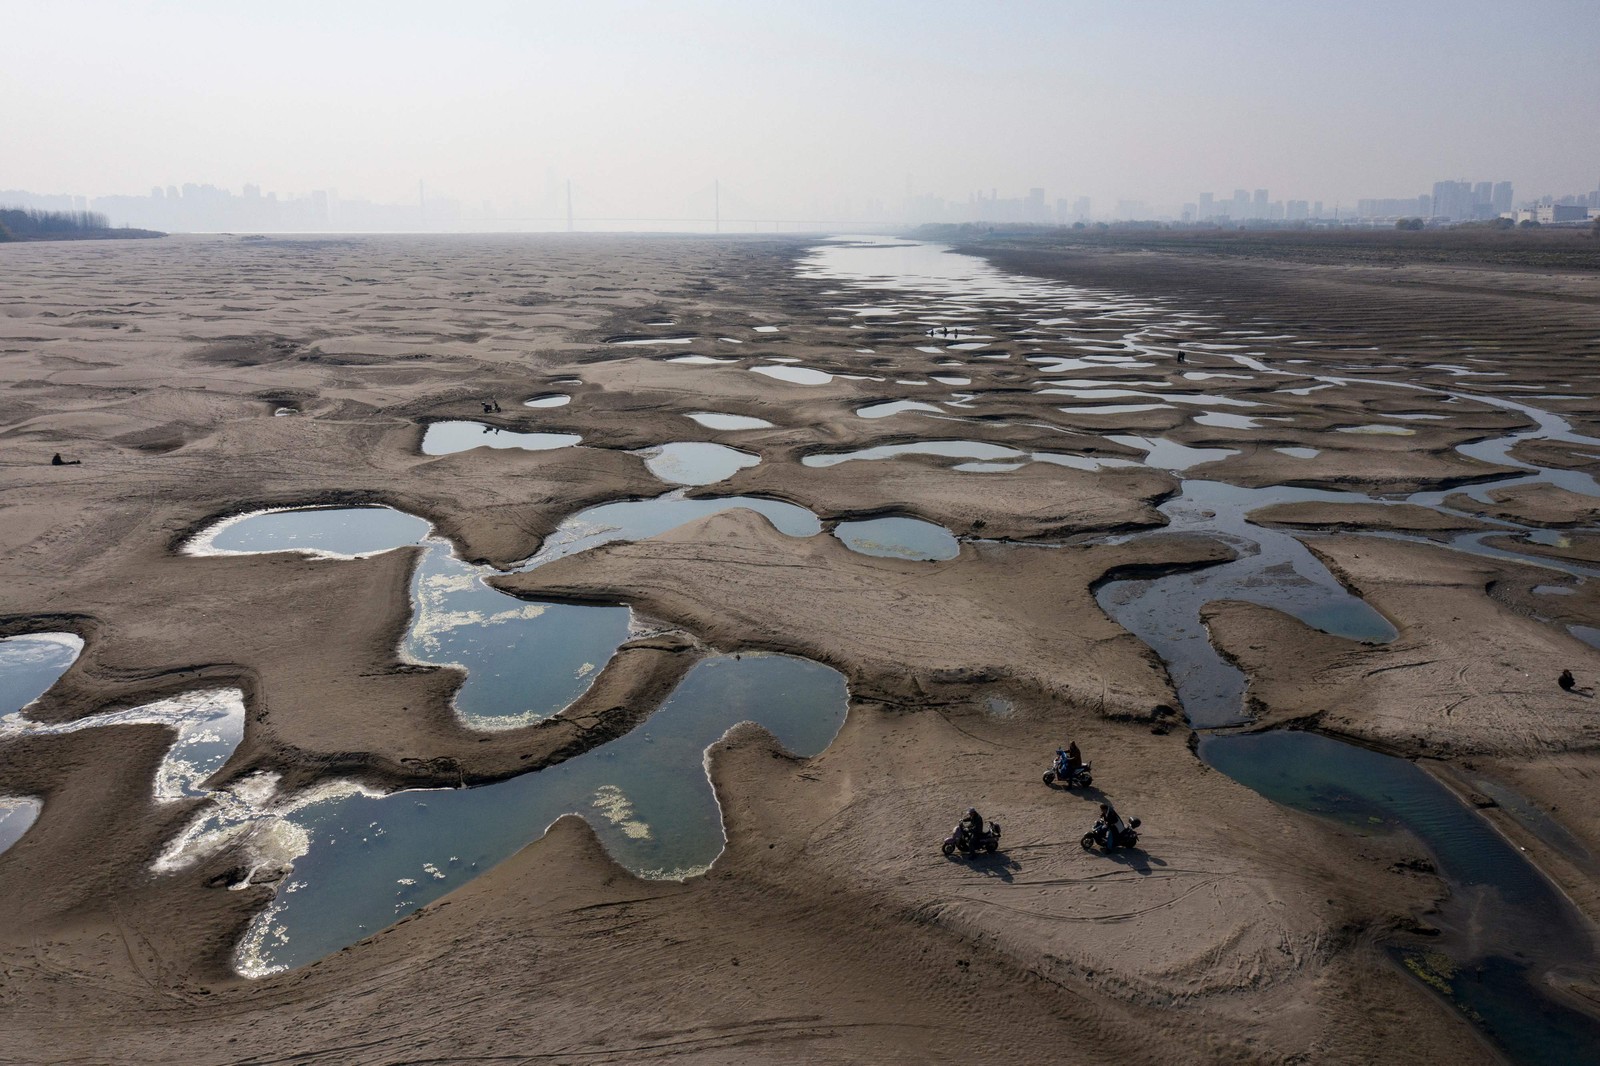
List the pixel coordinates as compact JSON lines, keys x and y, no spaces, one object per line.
{"x":1567,"y":681}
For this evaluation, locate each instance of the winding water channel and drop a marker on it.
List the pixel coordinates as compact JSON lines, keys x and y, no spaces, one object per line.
{"x":1504,"y":992}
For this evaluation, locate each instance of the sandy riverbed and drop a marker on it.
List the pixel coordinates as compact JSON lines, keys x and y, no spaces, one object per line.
{"x":831,"y":928}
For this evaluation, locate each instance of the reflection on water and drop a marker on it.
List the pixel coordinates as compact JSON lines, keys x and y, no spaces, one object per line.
{"x":696,"y":462}
{"x":640,"y":519}
{"x":898,"y":537}
{"x":794,"y":375}
{"x":322,"y":532}
{"x":883,"y":410}
{"x":446,"y":438}
{"x":30,"y":664}
{"x":208,"y":722}
{"x":966,"y":449}
{"x":524,"y":661}
{"x":17,"y":815}
{"x":715,"y":420}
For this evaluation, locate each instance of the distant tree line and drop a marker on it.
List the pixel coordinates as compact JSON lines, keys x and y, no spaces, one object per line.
{"x":17,"y":224}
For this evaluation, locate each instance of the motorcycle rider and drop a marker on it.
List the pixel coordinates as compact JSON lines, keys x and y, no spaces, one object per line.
{"x":1113,"y":821}
{"x":971,"y":826}
{"x":1074,"y":759}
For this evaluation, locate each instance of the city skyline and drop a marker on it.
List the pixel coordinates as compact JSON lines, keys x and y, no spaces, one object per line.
{"x":821,"y":112}
{"x":195,"y":207}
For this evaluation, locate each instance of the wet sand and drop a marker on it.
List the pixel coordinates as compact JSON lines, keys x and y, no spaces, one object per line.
{"x":831,"y":928}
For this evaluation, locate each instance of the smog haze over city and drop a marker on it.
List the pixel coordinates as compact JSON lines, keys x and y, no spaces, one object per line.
{"x":669,"y":115}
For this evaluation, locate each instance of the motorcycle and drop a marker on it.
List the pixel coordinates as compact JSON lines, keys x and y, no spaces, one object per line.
{"x":1126,"y":836}
{"x":1078,"y":778}
{"x":970,"y":844}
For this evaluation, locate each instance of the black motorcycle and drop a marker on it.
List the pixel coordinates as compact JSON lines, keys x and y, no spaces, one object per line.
{"x":962,"y":839}
{"x":1126,"y":836}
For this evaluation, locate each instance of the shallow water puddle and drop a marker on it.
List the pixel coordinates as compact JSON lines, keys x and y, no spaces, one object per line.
{"x":715,"y":420}
{"x":967,"y":449}
{"x":794,"y":375}
{"x":29,"y":665}
{"x":1115,"y":408}
{"x":553,"y":400}
{"x":701,"y":360}
{"x":523,"y":660}
{"x":899,"y":537}
{"x":1163,"y":397}
{"x":641,"y":519}
{"x":370,"y":860}
{"x":1163,"y":454}
{"x":696,"y":462}
{"x":321,"y":532}
{"x":884,"y":410}
{"x":1224,"y":420}
{"x":209,"y":723}
{"x":446,"y":438}
{"x":1275,"y":570}
{"x":17,"y":815}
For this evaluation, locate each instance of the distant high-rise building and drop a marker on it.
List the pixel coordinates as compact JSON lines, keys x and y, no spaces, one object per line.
{"x":1241,"y":204}
{"x":1205,"y":209}
{"x":1258,"y":208}
{"x":1452,"y":200}
{"x":1501,"y":198}
{"x":1033,"y":209}
{"x":1080,"y":209}
{"x":1316,"y":209}
{"x":1296,"y":211}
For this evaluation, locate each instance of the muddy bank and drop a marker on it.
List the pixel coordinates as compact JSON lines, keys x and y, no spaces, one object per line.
{"x":855,"y":940}
{"x":899,"y":630}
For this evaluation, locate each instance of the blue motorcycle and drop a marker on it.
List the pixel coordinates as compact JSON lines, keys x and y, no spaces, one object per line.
{"x":1070,"y":778}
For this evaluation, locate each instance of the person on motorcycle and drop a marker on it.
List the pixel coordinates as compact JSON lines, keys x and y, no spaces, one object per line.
{"x":1074,"y":759}
{"x":1113,"y":821}
{"x":971,"y":826}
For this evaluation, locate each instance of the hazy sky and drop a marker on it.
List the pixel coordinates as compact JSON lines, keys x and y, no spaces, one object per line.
{"x":798,"y":106}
